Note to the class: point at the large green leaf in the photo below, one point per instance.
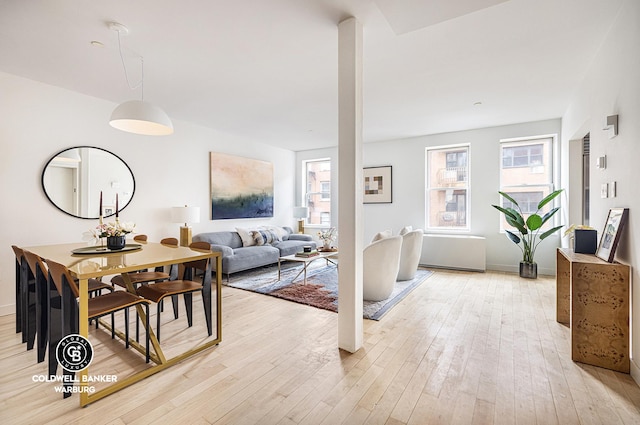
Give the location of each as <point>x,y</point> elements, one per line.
<point>514,238</point>
<point>534,221</point>
<point>549,198</point>
<point>518,225</point>
<point>509,198</point>
<point>550,232</point>
<point>508,212</point>
<point>550,214</point>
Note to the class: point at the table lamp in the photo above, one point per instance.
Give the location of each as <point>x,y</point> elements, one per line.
<point>185,215</point>
<point>301,213</point>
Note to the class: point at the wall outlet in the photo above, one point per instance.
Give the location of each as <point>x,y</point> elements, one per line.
<point>604,190</point>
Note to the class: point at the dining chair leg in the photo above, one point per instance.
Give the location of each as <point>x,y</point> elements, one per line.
<point>175,302</point>
<point>55,333</point>
<point>42,323</point>
<point>188,303</point>
<point>113,327</point>
<point>147,355</point>
<point>18,297</point>
<point>158,310</point>
<point>206,301</point>
<point>126,328</point>
<point>138,327</point>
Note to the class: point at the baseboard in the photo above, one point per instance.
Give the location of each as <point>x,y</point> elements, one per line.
<point>635,371</point>
<point>431,266</point>
<point>6,310</point>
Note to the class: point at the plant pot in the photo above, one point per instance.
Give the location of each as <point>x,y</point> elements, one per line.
<point>528,270</point>
<point>115,243</point>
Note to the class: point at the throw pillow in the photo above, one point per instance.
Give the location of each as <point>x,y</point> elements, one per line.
<point>382,235</point>
<point>281,232</point>
<point>264,237</point>
<point>405,230</point>
<point>246,236</point>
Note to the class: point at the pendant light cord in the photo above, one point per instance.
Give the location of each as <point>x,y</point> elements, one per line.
<point>126,75</point>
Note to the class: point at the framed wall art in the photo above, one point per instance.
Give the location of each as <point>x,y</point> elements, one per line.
<point>240,187</point>
<point>611,233</point>
<point>377,185</point>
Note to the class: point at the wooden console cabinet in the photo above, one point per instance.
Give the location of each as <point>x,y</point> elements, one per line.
<point>593,298</point>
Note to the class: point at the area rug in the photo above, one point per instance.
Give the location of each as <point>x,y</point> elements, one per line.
<point>321,290</point>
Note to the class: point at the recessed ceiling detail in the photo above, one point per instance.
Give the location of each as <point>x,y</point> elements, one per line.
<point>409,15</point>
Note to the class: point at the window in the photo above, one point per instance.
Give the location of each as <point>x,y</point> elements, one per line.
<point>448,188</point>
<point>317,175</point>
<point>526,173</point>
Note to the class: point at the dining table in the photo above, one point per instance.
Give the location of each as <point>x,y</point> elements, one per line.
<point>86,262</point>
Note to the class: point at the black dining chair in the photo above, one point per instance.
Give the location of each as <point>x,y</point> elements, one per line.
<point>98,306</point>
<point>157,292</point>
<point>25,299</point>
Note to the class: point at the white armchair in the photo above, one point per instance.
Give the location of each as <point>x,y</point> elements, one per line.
<point>410,254</point>
<point>381,261</point>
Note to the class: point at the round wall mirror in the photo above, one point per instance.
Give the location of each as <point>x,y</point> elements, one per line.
<point>74,179</point>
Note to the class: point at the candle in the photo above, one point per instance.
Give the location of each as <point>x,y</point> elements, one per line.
<point>116,205</point>
<point>100,207</point>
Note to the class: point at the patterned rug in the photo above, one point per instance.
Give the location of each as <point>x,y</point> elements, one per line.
<point>321,290</point>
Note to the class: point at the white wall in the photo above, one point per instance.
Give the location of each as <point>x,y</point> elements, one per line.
<point>40,120</point>
<point>407,157</point>
<point>612,86</point>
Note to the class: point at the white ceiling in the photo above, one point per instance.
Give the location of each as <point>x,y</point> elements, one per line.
<point>267,69</point>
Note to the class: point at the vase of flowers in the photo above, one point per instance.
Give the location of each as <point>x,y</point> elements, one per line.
<point>115,233</point>
<point>115,243</point>
<point>327,236</point>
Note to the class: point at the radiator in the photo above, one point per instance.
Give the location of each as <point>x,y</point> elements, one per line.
<point>454,252</point>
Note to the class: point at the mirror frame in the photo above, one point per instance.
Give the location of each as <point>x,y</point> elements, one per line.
<point>44,189</point>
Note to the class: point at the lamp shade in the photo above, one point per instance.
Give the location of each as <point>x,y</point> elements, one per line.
<point>137,116</point>
<point>300,212</point>
<point>185,215</point>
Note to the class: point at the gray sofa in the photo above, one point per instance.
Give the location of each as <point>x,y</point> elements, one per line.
<point>237,257</point>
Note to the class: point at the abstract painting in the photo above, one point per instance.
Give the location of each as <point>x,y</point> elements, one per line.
<point>377,185</point>
<point>240,187</point>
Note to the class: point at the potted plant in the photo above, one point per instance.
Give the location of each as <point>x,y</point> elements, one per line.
<point>528,231</point>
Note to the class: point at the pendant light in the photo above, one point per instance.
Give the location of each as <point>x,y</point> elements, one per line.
<point>138,116</point>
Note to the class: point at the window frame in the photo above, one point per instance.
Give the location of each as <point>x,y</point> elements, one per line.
<point>307,194</point>
<point>429,188</point>
<point>551,173</point>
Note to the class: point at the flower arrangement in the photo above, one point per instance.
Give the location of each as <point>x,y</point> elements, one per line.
<point>327,236</point>
<point>114,228</point>
<point>105,230</point>
<point>571,230</point>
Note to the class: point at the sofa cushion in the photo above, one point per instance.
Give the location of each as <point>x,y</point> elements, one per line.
<point>265,237</point>
<point>382,235</point>
<point>246,235</point>
<point>290,247</point>
<point>405,230</point>
<point>281,232</point>
<point>249,258</point>
<point>230,239</point>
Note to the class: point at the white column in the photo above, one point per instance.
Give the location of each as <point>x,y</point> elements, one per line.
<point>350,322</point>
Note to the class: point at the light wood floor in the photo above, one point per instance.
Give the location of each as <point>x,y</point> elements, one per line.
<point>463,348</point>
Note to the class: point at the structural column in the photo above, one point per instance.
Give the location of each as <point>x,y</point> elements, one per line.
<point>350,322</point>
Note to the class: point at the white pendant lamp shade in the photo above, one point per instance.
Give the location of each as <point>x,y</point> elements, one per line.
<point>137,116</point>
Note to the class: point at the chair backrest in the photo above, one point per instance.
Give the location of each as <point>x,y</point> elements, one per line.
<point>140,238</point>
<point>169,241</point>
<point>199,264</point>
<point>37,266</point>
<point>18,252</point>
<point>381,262</point>
<point>59,273</point>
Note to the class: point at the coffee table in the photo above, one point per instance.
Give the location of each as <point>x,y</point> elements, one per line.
<point>306,261</point>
